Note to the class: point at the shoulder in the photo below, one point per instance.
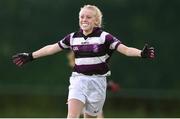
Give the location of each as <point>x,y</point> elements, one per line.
<point>76,34</point>
<point>107,36</point>
<point>68,36</point>
<point>105,33</point>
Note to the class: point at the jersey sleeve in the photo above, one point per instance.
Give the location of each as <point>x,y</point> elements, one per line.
<point>65,42</point>
<point>112,42</point>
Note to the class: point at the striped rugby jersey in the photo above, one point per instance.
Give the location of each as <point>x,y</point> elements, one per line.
<point>92,52</point>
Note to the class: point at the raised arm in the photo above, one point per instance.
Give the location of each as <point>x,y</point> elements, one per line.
<point>22,58</point>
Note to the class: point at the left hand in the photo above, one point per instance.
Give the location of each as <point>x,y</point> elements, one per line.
<point>147,52</point>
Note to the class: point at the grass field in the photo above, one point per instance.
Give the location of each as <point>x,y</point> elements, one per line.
<point>55,107</point>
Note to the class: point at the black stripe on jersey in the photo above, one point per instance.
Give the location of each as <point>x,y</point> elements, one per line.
<point>96,69</point>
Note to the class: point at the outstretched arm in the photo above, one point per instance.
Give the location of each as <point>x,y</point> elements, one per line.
<point>47,50</point>
<point>129,51</point>
<point>22,58</point>
<point>146,52</point>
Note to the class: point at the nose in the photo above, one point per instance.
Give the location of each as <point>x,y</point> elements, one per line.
<point>84,19</point>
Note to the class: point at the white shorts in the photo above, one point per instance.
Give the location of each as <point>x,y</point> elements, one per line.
<point>91,90</point>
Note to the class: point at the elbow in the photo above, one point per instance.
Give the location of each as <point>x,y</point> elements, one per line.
<point>127,53</point>
<point>49,50</point>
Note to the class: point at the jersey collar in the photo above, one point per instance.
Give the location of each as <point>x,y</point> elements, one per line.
<point>95,32</point>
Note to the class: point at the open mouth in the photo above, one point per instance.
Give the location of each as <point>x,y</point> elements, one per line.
<point>84,24</point>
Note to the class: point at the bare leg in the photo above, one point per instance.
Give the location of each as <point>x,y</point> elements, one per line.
<point>100,115</point>
<point>75,108</point>
<point>89,116</point>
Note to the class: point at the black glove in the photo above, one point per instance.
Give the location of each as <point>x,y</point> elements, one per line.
<point>22,58</point>
<point>147,52</point>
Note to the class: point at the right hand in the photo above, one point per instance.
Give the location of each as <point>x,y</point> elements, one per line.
<point>22,58</point>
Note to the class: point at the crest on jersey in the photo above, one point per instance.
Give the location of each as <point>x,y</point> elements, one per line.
<point>95,48</point>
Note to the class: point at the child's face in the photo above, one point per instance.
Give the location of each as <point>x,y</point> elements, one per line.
<point>87,19</point>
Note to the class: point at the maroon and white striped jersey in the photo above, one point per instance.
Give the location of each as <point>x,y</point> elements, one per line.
<point>92,52</point>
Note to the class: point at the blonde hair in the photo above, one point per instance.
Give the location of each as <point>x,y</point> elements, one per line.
<point>98,13</point>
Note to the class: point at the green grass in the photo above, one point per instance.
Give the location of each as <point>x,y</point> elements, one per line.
<point>45,106</point>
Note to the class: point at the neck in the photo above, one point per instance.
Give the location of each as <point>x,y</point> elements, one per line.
<point>87,32</point>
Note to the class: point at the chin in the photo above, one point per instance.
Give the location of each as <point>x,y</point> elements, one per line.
<point>85,29</point>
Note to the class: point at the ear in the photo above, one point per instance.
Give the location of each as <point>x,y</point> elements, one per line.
<point>97,22</point>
